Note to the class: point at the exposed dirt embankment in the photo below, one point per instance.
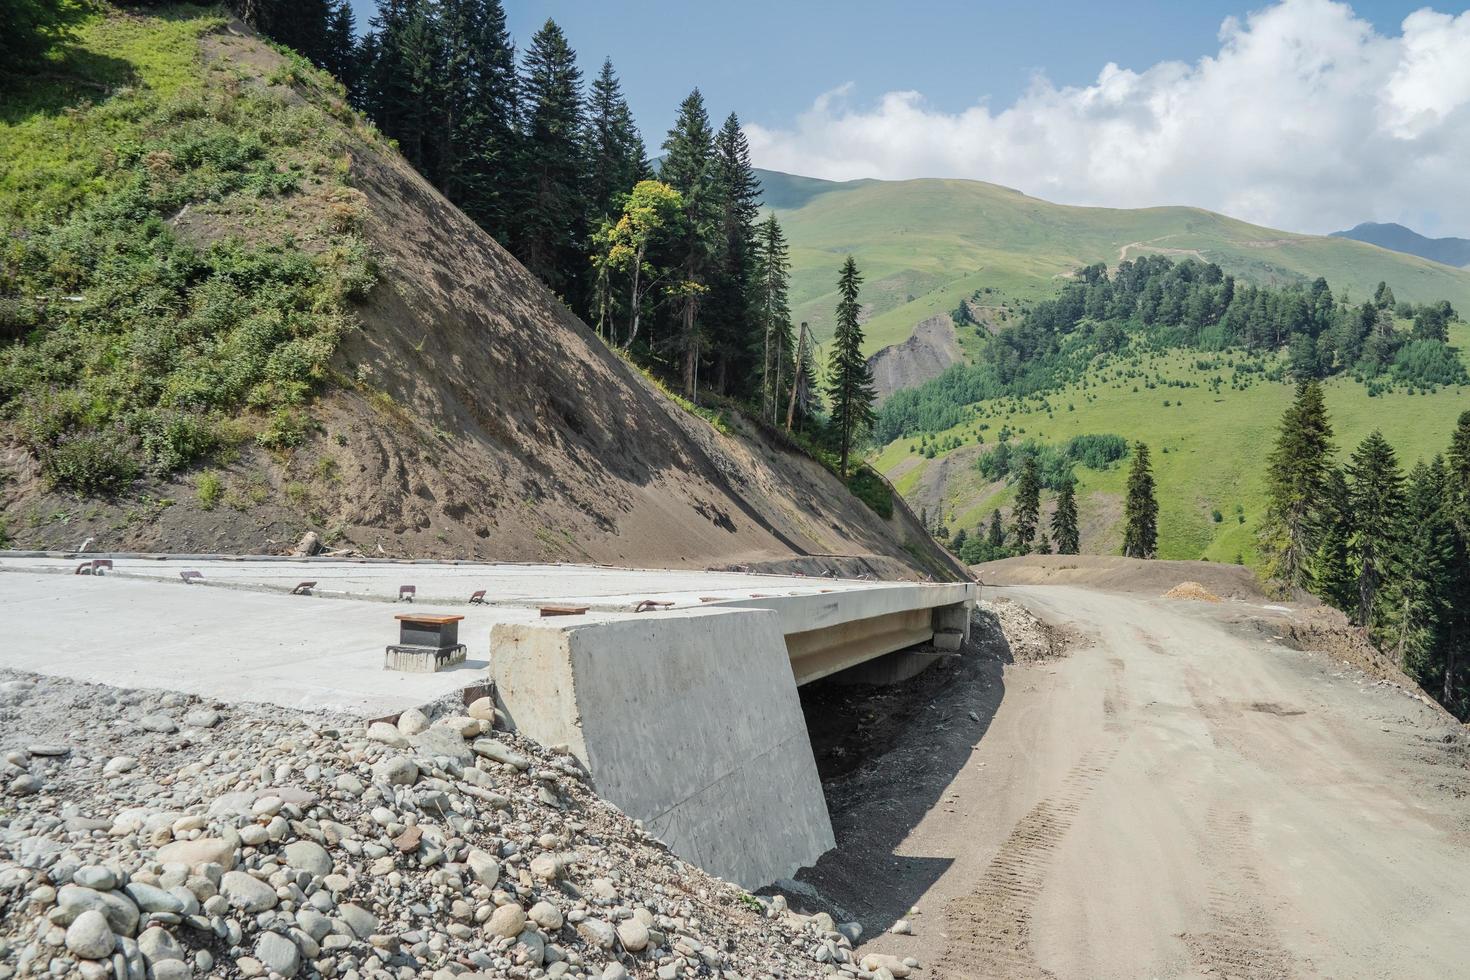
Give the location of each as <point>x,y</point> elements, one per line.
<point>472,416</point>
<point>932,347</point>
<point>1117,574</point>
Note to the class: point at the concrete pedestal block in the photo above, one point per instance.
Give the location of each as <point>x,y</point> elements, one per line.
<point>422,660</point>
<point>686,719</point>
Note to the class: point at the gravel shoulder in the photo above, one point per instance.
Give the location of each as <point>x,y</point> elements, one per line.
<point>1182,794</point>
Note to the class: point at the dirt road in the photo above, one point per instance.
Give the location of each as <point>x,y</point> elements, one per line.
<point>1176,797</point>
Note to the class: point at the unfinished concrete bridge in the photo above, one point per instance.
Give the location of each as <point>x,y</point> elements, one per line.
<point>675,689</point>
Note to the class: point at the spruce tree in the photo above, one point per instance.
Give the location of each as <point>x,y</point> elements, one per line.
<point>849,379</point>
<point>550,216</point>
<point>342,55</point>
<point>1333,577</point>
<point>1375,489</point>
<point>1455,687</point>
<point>688,167</point>
<point>1064,519</point>
<point>1420,592</point>
<point>1043,543</point>
<point>1295,480</point>
<point>403,85</point>
<point>773,316</point>
<point>731,296</point>
<point>1140,510</point>
<point>1026,514</point>
<point>479,137</point>
<point>995,537</point>
<point>616,160</point>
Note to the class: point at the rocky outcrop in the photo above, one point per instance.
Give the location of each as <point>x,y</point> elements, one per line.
<point>933,346</point>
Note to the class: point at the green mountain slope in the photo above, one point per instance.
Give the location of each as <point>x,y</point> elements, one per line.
<point>924,245</point>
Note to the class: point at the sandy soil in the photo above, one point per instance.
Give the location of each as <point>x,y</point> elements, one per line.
<point>1181,795</point>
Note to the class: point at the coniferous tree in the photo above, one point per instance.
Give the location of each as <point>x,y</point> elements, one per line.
<point>342,56</point>
<point>1420,591</point>
<point>1064,519</point>
<point>773,315</point>
<point>731,295</point>
<point>550,219</point>
<point>1043,543</point>
<point>616,159</point>
<point>1333,576</point>
<point>1026,514</point>
<point>688,167</point>
<point>1376,497</point>
<point>1140,510</point>
<point>403,84</point>
<point>479,135</point>
<point>849,379</point>
<point>1455,685</point>
<point>1296,478</point>
<point>996,536</point>
<point>805,403</point>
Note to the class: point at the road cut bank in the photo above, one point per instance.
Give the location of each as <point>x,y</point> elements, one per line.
<point>685,714</point>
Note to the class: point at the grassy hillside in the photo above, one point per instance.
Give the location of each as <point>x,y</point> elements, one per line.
<point>231,312</point>
<point>1208,447</point>
<point>924,245</point>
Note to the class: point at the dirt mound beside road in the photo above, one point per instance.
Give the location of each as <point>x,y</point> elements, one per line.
<point>1116,574</point>
<point>1191,590</point>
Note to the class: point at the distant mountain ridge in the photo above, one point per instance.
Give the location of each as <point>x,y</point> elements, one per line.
<point>1397,238</point>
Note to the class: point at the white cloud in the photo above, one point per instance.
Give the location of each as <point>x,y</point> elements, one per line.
<point>1306,118</point>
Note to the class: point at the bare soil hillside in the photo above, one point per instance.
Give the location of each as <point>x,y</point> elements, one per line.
<point>473,416</point>
<point>932,347</point>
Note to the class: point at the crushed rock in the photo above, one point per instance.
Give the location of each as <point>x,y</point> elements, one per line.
<point>1192,590</point>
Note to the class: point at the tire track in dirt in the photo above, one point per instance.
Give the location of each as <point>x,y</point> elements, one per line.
<point>989,929</point>
<point>1241,942</point>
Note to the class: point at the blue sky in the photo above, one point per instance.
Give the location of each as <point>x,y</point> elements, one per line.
<point>1308,115</point>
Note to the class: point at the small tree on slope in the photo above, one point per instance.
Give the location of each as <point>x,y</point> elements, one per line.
<point>1141,511</point>
<point>1027,513</point>
<point>849,380</point>
<point>1296,480</point>
<point>1064,519</point>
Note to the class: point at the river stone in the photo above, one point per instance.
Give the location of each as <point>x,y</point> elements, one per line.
<point>396,771</point>
<point>484,867</point>
<point>874,962</point>
<point>278,954</point>
<point>362,922</point>
<point>89,936</point>
<point>96,877</point>
<point>413,721</point>
<point>534,944</point>
<point>246,893</point>
<point>73,900</point>
<point>203,850</point>
<point>597,932</point>
<point>202,718</point>
<point>547,916</point>
<point>381,731</point>
<point>150,898</point>
<point>507,921</point>
<point>158,723</point>
<point>158,944</point>
<point>481,709</point>
<point>306,855</point>
<point>498,751</point>
<point>170,970</point>
<point>634,935</point>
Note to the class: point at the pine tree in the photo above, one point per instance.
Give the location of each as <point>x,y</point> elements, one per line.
<point>1333,576</point>
<point>1296,478</point>
<point>1376,497</point>
<point>731,294</point>
<point>550,217</point>
<point>402,87</point>
<point>1141,510</point>
<point>688,167</point>
<point>1420,592</point>
<point>616,160</point>
<point>849,379</point>
<point>773,315</point>
<point>1026,514</point>
<point>996,536</point>
<point>479,138</point>
<point>1064,519</point>
<point>1455,686</point>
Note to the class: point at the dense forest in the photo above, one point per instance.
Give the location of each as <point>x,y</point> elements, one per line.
<point>1390,549</point>
<point>1157,302</point>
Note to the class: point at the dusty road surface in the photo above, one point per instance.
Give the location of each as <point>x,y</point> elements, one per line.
<point>1177,796</point>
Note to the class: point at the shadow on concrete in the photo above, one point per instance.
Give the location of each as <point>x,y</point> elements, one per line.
<point>886,756</point>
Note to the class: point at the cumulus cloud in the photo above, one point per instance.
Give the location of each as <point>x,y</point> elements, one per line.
<point>1306,118</point>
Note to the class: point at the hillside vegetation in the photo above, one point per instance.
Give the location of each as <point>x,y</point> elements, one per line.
<point>232,312</point>
<point>929,244</point>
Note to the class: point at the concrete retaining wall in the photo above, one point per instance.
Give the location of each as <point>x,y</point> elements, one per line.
<point>687,720</point>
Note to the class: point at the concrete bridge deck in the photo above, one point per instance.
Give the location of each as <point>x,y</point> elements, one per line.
<point>686,715</point>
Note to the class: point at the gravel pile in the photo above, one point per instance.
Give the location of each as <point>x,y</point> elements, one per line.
<point>148,836</point>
